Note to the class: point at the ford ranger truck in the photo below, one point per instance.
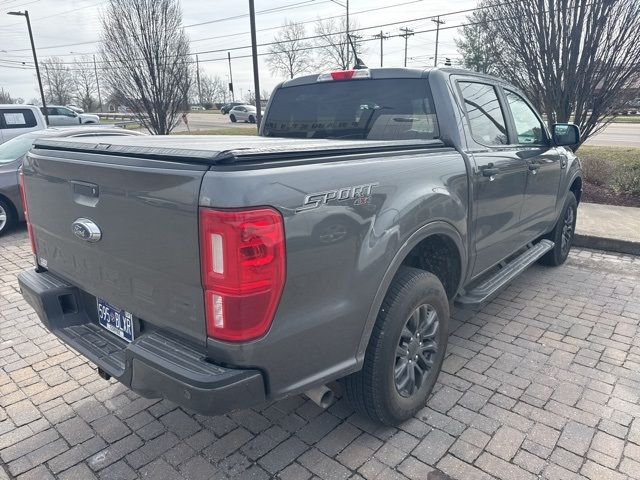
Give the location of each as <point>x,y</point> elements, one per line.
<point>223,272</point>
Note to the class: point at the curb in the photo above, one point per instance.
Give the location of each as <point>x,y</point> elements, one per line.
<point>607,244</point>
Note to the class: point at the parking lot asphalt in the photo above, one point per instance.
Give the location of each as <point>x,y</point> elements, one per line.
<point>615,134</point>
<point>543,382</point>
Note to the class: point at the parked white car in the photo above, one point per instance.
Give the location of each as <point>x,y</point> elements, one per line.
<point>75,109</point>
<point>243,113</point>
<point>60,116</point>
<point>18,119</point>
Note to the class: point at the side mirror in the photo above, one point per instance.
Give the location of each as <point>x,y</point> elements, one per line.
<point>565,134</point>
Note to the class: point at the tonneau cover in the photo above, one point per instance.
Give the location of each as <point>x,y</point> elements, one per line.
<point>215,149</point>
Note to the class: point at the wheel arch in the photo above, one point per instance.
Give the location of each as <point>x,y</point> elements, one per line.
<point>576,187</point>
<point>437,233</point>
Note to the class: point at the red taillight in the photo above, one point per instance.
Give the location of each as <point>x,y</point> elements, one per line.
<point>342,75</point>
<point>243,270</point>
<point>32,239</point>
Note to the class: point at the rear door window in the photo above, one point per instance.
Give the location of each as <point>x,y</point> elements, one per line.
<point>18,118</point>
<point>382,109</point>
<point>486,118</point>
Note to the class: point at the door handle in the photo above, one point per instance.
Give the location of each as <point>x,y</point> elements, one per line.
<point>488,171</point>
<point>534,167</point>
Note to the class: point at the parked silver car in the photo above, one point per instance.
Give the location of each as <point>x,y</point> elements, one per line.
<point>243,113</point>
<point>65,116</point>
<point>11,154</point>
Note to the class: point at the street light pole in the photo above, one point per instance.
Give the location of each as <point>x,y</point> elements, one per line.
<point>25,14</point>
<point>345,5</point>
<point>233,95</point>
<point>95,70</point>
<point>198,79</point>
<point>254,53</point>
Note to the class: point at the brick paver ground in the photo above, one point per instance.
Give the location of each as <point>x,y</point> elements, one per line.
<point>542,383</point>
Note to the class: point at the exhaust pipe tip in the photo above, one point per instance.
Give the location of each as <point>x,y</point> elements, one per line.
<point>322,396</point>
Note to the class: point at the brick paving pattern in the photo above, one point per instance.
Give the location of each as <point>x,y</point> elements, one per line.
<point>544,382</point>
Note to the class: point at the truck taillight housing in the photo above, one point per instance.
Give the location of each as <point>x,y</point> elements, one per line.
<point>242,257</point>
<point>26,211</point>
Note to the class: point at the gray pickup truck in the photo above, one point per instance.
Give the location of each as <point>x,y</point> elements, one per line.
<point>224,272</point>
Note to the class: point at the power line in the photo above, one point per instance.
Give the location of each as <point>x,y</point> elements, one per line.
<point>404,34</point>
<point>240,33</point>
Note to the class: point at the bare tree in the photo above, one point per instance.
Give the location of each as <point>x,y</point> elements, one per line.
<point>147,54</point>
<point>575,58</point>
<point>334,50</point>
<point>5,97</point>
<point>212,88</point>
<point>59,85</point>
<point>476,44</point>
<point>249,98</point>
<point>85,83</point>
<point>290,54</point>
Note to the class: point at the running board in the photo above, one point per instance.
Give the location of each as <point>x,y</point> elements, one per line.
<point>486,290</point>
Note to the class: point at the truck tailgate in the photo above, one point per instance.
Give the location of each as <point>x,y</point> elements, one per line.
<point>147,259</point>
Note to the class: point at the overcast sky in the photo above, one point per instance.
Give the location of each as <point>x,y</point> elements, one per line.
<point>67,27</point>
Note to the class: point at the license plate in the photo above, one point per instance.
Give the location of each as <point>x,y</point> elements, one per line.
<point>115,320</point>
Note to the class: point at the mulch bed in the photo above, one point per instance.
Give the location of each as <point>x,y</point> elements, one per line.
<point>597,194</point>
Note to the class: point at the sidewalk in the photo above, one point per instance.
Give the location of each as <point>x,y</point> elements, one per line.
<point>607,227</point>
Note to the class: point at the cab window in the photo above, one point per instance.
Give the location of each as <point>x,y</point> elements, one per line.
<point>529,129</point>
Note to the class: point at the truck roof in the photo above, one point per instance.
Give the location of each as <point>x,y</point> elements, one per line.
<point>396,72</point>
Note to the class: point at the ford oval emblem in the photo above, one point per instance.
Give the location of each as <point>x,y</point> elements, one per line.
<point>86,230</point>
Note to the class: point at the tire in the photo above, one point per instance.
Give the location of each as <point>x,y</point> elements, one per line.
<point>252,119</point>
<point>382,389</point>
<point>232,118</point>
<point>562,234</point>
<point>7,216</point>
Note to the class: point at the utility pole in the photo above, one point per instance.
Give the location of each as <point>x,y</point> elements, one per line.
<point>406,33</point>
<point>198,80</point>
<point>95,70</point>
<point>382,36</point>
<point>438,22</point>
<point>254,54</point>
<point>233,96</point>
<point>25,14</point>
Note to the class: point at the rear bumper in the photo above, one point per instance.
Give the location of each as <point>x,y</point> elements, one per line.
<point>153,365</point>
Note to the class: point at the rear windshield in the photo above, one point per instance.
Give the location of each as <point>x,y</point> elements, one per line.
<point>385,109</point>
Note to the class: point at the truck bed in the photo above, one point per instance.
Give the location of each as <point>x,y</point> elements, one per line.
<point>224,149</point>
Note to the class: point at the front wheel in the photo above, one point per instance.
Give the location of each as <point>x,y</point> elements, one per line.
<point>252,119</point>
<point>562,234</point>
<point>232,118</point>
<point>406,349</point>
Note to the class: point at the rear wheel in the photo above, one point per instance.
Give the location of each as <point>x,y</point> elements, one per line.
<point>232,117</point>
<point>252,119</point>
<point>406,349</point>
<point>562,234</point>
<point>7,216</point>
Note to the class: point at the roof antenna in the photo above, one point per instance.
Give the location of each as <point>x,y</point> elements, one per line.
<point>359,65</point>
